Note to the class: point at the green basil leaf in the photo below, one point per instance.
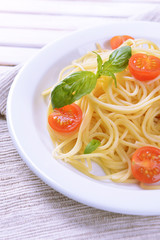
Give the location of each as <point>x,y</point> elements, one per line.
<point>73,88</point>
<point>92,146</point>
<point>99,65</point>
<point>118,60</point>
<point>111,74</point>
<point>120,56</point>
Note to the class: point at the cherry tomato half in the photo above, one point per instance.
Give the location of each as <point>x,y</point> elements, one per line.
<point>146,164</point>
<point>66,119</point>
<point>144,67</point>
<point>116,41</point>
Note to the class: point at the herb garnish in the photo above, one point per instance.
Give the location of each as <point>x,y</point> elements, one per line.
<point>82,83</point>
<point>92,146</point>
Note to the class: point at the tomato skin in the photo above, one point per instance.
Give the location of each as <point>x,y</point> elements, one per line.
<point>126,37</point>
<point>66,119</point>
<point>116,41</point>
<point>145,164</point>
<point>144,67</point>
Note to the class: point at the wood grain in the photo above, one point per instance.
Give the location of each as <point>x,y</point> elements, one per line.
<point>26,26</point>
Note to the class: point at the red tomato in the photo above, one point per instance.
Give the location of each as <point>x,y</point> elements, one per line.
<point>116,41</point>
<point>146,164</point>
<point>66,119</point>
<point>144,67</point>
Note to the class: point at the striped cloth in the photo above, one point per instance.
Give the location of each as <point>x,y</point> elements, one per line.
<point>30,209</point>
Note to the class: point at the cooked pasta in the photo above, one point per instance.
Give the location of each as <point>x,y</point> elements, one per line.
<point>123,118</point>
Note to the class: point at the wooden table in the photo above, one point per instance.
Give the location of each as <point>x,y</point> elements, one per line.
<point>28,25</point>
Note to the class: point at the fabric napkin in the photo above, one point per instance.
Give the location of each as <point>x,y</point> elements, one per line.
<point>30,209</point>
<point>6,79</point>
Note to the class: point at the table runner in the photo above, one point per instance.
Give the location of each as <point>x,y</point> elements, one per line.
<point>30,209</point>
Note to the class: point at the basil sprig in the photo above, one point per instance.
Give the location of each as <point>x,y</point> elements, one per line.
<point>92,146</point>
<point>73,88</point>
<point>82,83</point>
<point>117,62</point>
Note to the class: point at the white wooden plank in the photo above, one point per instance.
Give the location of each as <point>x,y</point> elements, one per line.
<point>26,26</point>
<point>13,56</point>
<point>49,22</point>
<point>82,8</point>
<point>28,37</point>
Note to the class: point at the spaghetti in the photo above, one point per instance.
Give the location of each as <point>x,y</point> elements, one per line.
<point>122,118</point>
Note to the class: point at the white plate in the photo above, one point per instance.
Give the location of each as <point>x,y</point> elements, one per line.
<point>26,116</point>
